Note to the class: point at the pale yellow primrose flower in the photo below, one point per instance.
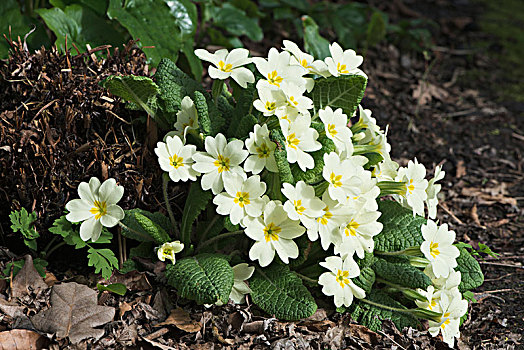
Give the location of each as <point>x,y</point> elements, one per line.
<point>176,159</point>
<point>262,151</point>
<point>452,310</point>
<point>305,60</point>
<point>415,193</point>
<point>337,282</point>
<point>438,248</point>
<point>168,251</point>
<point>343,62</point>
<point>228,64</point>
<point>96,207</point>
<point>276,69</point>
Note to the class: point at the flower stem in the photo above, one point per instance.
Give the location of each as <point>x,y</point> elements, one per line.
<point>165,183</point>
<point>307,279</point>
<point>216,89</point>
<point>391,187</point>
<point>386,307</point>
<point>48,254</point>
<point>411,251</point>
<point>50,244</point>
<point>219,237</point>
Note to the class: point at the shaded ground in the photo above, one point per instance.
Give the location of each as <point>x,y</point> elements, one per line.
<point>441,110</point>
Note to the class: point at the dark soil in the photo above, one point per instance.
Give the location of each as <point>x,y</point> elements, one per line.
<point>441,109</point>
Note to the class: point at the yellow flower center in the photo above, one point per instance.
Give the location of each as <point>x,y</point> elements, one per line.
<point>351,228</point>
<point>298,207</point>
<point>292,141</point>
<point>225,67</point>
<point>292,101</point>
<point>432,304</point>
<point>176,161</point>
<point>332,130</point>
<point>304,64</point>
<point>411,187</point>
<point>263,151</point>
<point>446,321</point>
<point>433,249</point>
<point>242,198</point>
<point>271,232</point>
<point>343,278</point>
<point>341,68</point>
<point>274,78</point>
<point>335,179</point>
<point>324,219</point>
<point>270,106</point>
<point>222,163</point>
<point>99,209</point>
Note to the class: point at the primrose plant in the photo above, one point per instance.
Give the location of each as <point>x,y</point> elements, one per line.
<point>292,189</point>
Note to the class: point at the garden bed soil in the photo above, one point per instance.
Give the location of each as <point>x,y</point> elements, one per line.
<point>434,111</point>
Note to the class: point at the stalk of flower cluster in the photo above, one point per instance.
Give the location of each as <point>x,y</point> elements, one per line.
<point>410,251</point>
<point>216,89</point>
<point>165,182</point>
<point>217,238</point>
<point>408,292</point>
<point>391,187</point>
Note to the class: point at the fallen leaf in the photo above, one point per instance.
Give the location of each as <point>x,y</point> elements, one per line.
<point>125,307</point>
<point>74,312</point>
<point>364,333</point>
<point>50,279</point>
<point>181,320</point>
<point>27,280</point>
<point>21,339</point>
<point>133,280</point>
<point>487,199</point>
<point>158,345</point>
<point>498,223</point>
<point>461,169</point>
<point>475,216</point>
<point>11,309</point>
<point>424,92</point>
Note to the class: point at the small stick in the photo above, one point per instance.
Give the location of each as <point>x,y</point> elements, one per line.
<point>450,213</point>
<point>500,264</point>
<point>157,334</point>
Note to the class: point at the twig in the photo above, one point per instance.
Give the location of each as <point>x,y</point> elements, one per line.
<point>157,334</point>
<point>501,264</point>
<point>391,339</point>
<point>450,213</point>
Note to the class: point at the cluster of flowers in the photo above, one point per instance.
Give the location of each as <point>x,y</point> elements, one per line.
<point>345,215</point>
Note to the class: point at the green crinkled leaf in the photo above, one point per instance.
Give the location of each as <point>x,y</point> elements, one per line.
<point>314,176</point>
<point>366,279</point>
<point>141,91</point>
<point>236,21</point>
<point>138,232</point>
<point>314,43</point>
<point>153,229</point>
<point>373,159</point>
<point>174,86</point>
<point>280,292</point>
<point>103,260</point>
<point>472,276</point>
<point>345,91</point>
<point>244,106</point>
<point>196,202</point>
<point>246,126</point>
<point>81,25</point>
<point>209,117</point>
<point>372,316</point>
<point>304,247</point>
<point>284,170</point>
<point>401,230</point>
<point>143,250</point>
<point>205,278</point>
<point>401,273</point>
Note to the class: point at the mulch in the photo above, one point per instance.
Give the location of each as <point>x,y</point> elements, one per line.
<point>435,113</point>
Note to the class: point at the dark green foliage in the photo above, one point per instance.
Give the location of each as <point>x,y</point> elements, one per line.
<point>401,273</point>
<point>472,276</point>
<point>280,292</point>
<point>205,278</point>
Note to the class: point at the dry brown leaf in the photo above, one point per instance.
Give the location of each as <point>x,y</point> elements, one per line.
<point>181,319</point>
<point>21,339</point>
<point>50,279</point>
<point>364,333</point>
<point>498,223</point>
<point>27,278</point>
<point>487,199</point>
<point>461,169</point>
<point>158,345</point>
<point>134,280</point>
<point>11,309</point>
<point>475,216</point>
<point>74,312</point>
<point>424,92</point>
